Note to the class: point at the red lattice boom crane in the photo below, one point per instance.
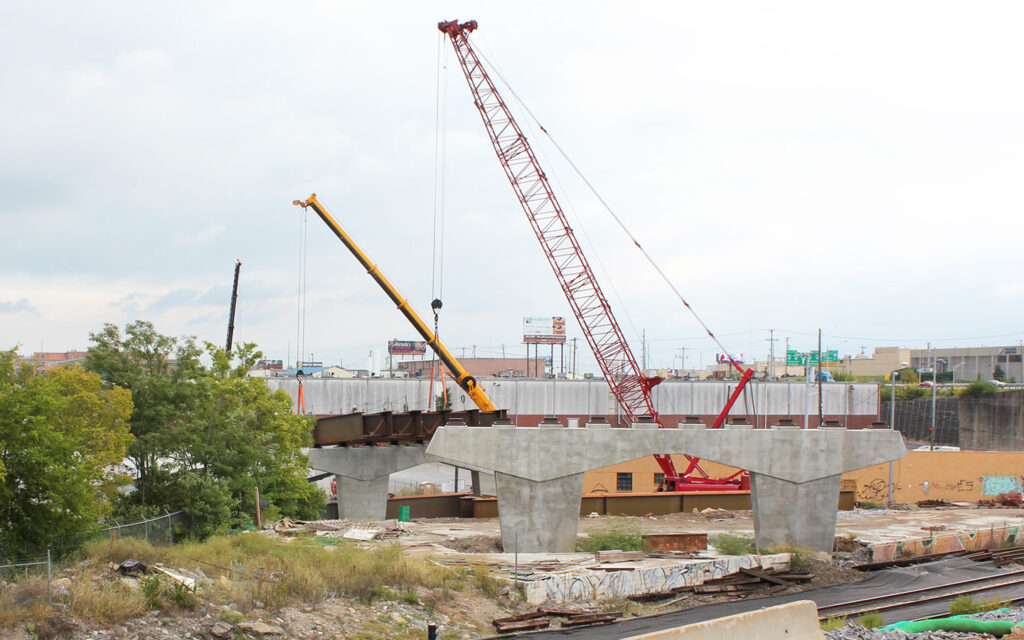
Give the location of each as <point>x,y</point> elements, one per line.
<point>632,389</point>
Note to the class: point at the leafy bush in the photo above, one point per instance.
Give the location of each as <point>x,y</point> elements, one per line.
<point>621,536</point>
<point>733,545</point>
<point>151,589</point>
<point>183,597</point>
<point>963,605</point>
<point>868,504</point>
<point>871,620</point>
<point>979,388</point>
<point>833,623</point>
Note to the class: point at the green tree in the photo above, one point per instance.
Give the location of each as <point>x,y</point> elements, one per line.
<point>60,434</point>
<point>161,373</point>
<point>206,437</point>
<point>999,374</point>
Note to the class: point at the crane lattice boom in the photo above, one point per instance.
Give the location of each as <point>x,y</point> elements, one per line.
<point>630,387</point>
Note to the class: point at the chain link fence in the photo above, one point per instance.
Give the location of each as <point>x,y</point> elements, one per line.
<point>159,530</point>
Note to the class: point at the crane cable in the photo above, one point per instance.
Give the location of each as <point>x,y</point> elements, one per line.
<point>440,169</point>
<point>615,217</point>
<point>300,313</point>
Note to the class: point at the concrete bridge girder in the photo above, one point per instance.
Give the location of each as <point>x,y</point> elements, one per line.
<point>796,455</point>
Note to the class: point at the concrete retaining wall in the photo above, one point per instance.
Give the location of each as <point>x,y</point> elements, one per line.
<point>648,577</point>
<point>992,422</point>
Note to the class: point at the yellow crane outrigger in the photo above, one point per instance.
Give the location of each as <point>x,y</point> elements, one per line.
<point>462,377</point>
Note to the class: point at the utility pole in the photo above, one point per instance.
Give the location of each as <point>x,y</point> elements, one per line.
<point>821,412</point>
<point>787,355</point>
<point>643,351</point>
<point>935,386</point>
<point>682,360</point>
<point>771,353</point>
<point>574,357</point>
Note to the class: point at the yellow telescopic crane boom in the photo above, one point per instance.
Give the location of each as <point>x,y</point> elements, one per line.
<point>467,382</point>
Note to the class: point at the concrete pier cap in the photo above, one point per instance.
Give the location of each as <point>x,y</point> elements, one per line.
<point>795,473</point>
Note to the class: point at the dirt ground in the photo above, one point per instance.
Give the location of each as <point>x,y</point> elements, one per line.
<point>483,535</point>
<point>469,615</point>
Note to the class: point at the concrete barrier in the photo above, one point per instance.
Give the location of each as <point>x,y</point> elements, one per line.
<point>791,621</point>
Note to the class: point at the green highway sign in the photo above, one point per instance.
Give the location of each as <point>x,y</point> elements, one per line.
<point>798,359</point>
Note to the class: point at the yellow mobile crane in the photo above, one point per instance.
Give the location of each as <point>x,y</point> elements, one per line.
<point>462,377</point>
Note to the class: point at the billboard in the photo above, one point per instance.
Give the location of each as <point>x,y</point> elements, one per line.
<point>277,365</point>
<point>543,330</point>
<point>309,364</point>
<point>738,357</point>
<point>407,348</point>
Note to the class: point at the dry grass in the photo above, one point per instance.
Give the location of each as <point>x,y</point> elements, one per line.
<point>248,572</point>
<point>253,570</point>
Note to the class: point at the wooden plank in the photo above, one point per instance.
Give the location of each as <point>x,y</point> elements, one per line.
<point>754,573</point>
<point>522,625</point>
<point>594,618</point>
<point>618,556</point>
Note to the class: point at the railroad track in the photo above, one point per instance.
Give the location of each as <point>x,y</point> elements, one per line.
<point>924,595</point>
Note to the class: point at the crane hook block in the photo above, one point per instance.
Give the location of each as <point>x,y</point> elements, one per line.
<point>435,304</point>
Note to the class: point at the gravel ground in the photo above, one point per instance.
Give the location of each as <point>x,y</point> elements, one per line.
<point>853,631</point>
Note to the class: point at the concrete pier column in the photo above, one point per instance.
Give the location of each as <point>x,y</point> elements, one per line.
<point>362,499</point>
<point>362,473</point>
<point>800,514</point>
<point>539,515</point>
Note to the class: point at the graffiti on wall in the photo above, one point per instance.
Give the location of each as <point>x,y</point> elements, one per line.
<point>587,584</point>
<point>946,543</point>
<point>877,489</point>
<point>998,485</point>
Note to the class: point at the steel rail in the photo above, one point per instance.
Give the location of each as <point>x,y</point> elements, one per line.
<point>851,607</point>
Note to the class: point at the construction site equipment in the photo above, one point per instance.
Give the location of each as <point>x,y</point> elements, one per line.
<point>234,299</point>
<point>462,377</point>
<point>631,388</point>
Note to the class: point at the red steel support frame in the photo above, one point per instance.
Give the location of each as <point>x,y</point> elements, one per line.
<point>631,388</point>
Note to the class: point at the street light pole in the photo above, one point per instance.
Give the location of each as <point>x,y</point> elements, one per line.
<point>892,423</point>
<point>935,387</point>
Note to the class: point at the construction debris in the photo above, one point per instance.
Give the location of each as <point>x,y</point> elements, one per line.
<point>185,581</point>
<point>541,618</point>
<point>361,531</point>
<point>618,556</point>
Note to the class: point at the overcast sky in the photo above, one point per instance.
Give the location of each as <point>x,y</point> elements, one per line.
<point>790,166</point>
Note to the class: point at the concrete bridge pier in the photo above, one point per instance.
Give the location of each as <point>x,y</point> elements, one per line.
<point>796,514</point>
<point>362,473</point>
<point>539,516</point>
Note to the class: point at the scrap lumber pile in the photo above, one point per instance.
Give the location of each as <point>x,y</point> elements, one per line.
<point>541,618</point>
<point>999,557</point>
<point>739,583</point>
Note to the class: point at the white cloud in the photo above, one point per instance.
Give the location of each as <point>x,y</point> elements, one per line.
<point>788,166</point>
